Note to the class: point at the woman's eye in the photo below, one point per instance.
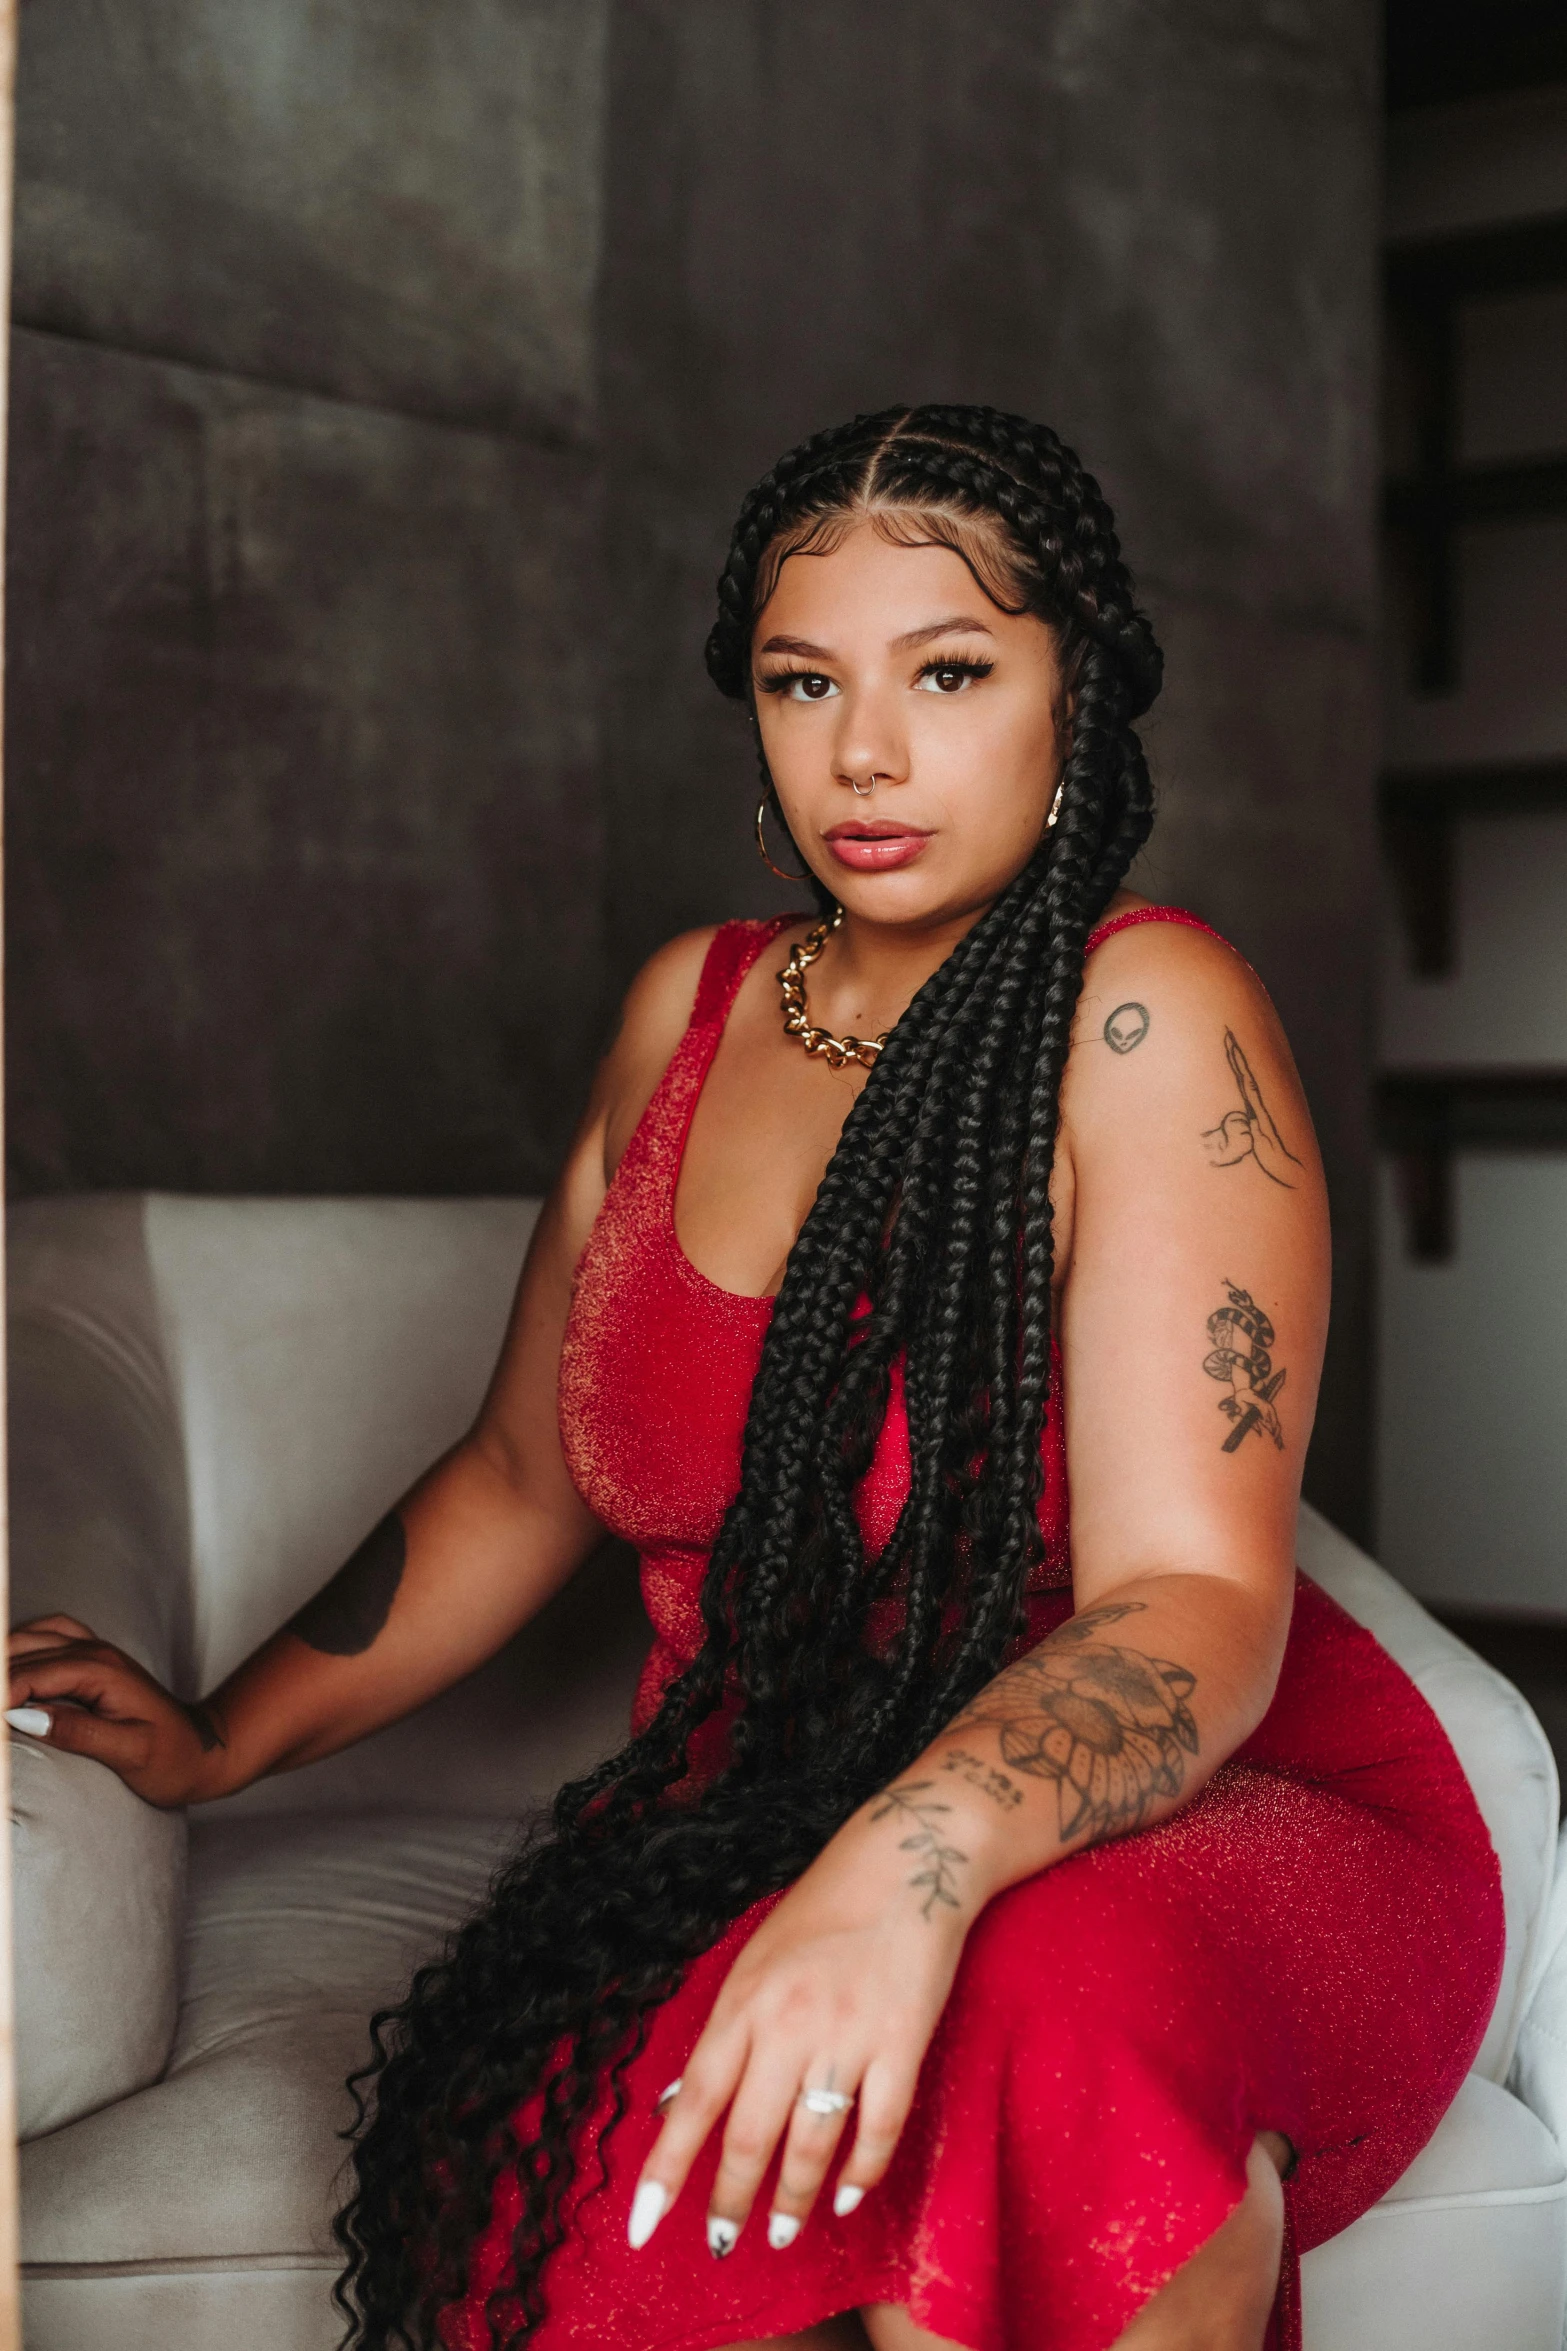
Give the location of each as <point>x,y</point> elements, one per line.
<point>801,685</point>
<point>950,677</point>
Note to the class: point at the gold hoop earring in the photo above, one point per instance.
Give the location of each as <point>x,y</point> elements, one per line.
<point>761,848</point>
<point>1055,807</point>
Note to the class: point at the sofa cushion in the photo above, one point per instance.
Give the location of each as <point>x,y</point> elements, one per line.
<point>296,1929</point>
<point>1468,2249</point>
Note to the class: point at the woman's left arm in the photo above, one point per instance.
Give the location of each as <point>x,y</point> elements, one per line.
<point>1192,1311</point>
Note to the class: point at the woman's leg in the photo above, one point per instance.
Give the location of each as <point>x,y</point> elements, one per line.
<point>1218,2301</point>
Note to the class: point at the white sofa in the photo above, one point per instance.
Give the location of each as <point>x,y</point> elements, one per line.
<point>211,1400</point>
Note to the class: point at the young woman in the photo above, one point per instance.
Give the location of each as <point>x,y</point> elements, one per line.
<point>989,1909</point>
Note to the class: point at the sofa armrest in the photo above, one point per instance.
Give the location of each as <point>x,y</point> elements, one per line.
<point>98,1531</point>
<point>1539,2070</point>
<point>98,1886</point>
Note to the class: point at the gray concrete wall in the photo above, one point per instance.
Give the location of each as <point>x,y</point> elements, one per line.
<point>305,859</point>
<point>619,256</point>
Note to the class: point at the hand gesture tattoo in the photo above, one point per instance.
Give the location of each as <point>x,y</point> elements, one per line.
<point>1110,1726</point>
<point>1242,1335</point>
<point>1249,1133</point>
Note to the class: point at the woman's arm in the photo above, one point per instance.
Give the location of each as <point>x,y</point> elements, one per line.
<point>467,1557</point>
<point>1193,1309</point>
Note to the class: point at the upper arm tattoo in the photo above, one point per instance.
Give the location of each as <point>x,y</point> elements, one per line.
<point>346,1615</point>
<point>1110,1726</point>
<point>1126,1027</point>
<point>1242,1336</point>
<point>1249,1132</point>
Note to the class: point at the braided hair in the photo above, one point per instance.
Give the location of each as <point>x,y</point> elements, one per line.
<point>504,2067</point>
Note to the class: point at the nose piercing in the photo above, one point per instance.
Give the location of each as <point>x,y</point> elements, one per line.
<point>863,791</point>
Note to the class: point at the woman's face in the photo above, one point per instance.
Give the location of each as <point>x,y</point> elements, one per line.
<point>888,661</point>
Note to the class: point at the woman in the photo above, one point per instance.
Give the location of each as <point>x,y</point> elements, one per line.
<point>980,1921</point>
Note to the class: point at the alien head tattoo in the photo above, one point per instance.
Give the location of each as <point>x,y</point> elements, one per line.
<point>1242,1335</point>
<point>1126,1027</point>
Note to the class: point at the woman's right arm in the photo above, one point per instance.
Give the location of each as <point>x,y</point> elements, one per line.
<point>474,1550</point>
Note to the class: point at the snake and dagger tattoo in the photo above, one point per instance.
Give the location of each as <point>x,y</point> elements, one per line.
<point>1111,1727</point>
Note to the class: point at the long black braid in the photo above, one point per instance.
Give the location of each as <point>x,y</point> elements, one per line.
<point>936,1207</point>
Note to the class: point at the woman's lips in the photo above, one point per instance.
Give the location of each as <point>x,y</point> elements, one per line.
<point>875,848</point>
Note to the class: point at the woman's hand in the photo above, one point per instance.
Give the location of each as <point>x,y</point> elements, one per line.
<point>91,1699</point>
<point>838,1991</point>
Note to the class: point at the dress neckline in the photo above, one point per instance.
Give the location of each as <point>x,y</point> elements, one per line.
<point>707,1026</point>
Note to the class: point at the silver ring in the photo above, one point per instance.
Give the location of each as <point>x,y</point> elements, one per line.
<point>863,791</point>
<point>825,2102</point>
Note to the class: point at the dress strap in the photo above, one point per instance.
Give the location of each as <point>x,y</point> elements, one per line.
<point>735,947</point>
<point>1124,922</point>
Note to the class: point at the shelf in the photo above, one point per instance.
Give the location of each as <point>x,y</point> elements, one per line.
<point>1426,283</point>
<point>1419,808</point>
<point>1425,1116</point>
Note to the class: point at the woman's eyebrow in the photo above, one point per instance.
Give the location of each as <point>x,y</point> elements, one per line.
<point>954,622</point>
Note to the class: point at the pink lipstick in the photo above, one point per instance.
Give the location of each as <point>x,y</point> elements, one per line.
<point>867,847</point>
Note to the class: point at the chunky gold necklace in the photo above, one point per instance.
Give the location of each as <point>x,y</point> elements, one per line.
<point>796,1013</point>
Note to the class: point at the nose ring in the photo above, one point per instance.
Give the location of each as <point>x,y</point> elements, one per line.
<point>863,791</point>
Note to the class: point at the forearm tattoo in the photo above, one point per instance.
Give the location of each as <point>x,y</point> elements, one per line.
<point>1249,1132</point>
<point>1110,1726</point>
<point>939,1861</point>
<point>1242,1336</point>
<point>984,1777</point>
<point>346,1615</point>
<point>207,1723</point>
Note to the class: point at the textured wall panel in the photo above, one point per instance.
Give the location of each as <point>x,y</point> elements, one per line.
<point>397,203</point>
<point>304,850</point>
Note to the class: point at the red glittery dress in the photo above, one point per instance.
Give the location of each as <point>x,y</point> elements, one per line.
<point>1311,1946</point>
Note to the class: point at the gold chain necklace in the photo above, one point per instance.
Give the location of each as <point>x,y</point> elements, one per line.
<point>796,1014</point>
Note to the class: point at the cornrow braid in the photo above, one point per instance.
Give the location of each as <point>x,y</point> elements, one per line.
<point>930,1243</point>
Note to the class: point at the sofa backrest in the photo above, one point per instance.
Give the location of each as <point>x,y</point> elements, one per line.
<point>273,1374</point>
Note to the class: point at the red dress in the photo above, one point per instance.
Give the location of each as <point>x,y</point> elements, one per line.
<point>1312,1945</point>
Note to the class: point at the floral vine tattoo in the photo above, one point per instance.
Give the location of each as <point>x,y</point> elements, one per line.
<point>939,1874</point>
<point>347,1614</point>
<point>1250,1132</point>
<point>1242,1335</point>
<point>1109,1725</point>
<point>1126,1027</point>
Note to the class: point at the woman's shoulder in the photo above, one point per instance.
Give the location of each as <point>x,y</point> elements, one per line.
<point>1166,1001</point>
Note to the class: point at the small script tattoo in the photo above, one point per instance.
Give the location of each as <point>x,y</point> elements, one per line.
<point>205,1722</point>
<point>346,1615</point>
<point>1110,1726</point>
<point>1242,1336</point>
<point>1126,1027</point>
<point>938,1873</point>
<point>984,1777</point>
<point>1249,1132</point>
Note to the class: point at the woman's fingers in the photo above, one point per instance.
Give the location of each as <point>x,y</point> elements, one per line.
<point>121,1745</point>
<point>46,1632</point>
<point>808,2151</point>
<point>757,2121</point>
<point>706,2087</point>
<point>886,2094</point>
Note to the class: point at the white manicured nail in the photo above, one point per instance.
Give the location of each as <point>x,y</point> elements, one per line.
<point>722,2236</point>
<point>666,2097</point>
<point>648,2207</point>
<point>847,2199</point>
<point>31,1719</point>
<point>782,2229</point>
